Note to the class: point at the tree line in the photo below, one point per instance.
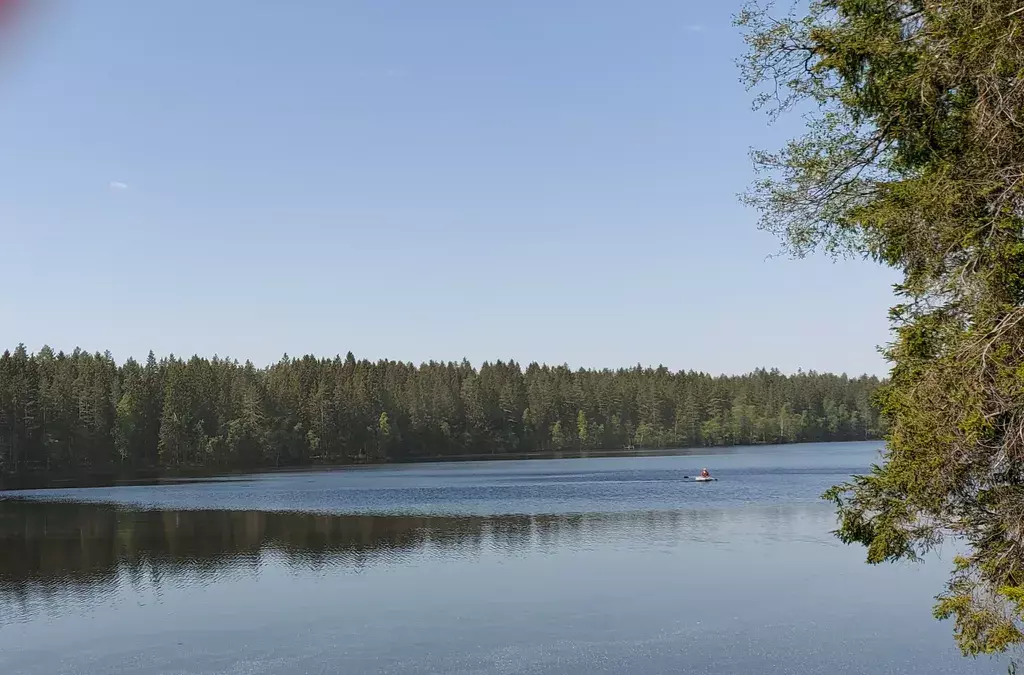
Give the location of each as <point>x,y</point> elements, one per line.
<point>71,415</point>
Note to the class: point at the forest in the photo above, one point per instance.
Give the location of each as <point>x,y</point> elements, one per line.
<point>82,415</point>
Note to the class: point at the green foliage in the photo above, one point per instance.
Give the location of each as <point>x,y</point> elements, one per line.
<point>68,415</point>
<point>559,440</point>
<point>913,157</point>
<point>582,429</point>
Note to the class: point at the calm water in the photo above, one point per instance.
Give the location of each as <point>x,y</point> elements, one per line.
<point>535,567</point>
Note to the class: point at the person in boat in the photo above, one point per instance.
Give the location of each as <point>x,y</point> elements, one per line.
<point>704,473</point>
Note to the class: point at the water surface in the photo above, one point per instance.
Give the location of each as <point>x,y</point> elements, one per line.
<point>610,565</point>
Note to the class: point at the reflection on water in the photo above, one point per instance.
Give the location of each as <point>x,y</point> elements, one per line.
<point>64,553</point>
<point>537,568</point>
<point>758,476</point>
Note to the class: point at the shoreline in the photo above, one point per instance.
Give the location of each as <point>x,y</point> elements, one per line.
<point>198,474</point>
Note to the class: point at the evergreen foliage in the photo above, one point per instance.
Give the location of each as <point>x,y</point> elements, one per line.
<point>914,156</point>
<point>80,414</point>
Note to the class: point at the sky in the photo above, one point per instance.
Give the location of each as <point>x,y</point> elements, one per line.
<point>531,180</point>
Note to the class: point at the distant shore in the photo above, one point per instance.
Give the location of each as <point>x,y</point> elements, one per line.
<point>40,481</point>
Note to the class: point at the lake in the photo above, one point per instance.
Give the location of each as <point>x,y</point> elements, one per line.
<point>577,566</point>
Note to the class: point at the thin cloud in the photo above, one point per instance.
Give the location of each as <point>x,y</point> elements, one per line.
<point>118,186</point>
<point>695,28</point>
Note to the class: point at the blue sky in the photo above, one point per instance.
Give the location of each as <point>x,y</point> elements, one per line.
<point>550,181</point>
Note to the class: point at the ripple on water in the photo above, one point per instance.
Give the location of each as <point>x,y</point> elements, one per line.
<point>569,567</point>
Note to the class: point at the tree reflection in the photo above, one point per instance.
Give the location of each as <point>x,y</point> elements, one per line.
<point>52,553</point>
